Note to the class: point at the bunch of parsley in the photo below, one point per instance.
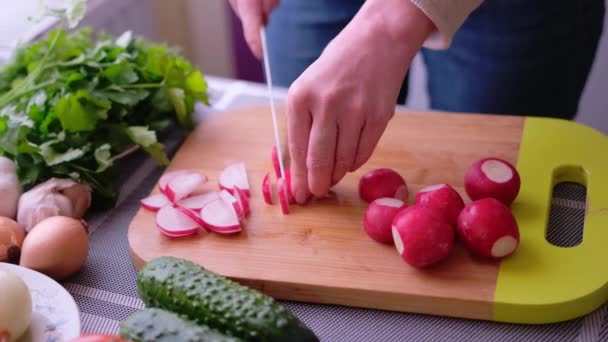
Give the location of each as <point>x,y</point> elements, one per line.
<point>73,103</point>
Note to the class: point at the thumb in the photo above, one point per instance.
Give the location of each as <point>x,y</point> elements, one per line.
<point>252,15</point>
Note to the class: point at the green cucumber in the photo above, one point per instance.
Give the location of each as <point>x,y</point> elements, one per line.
<point>156,325</point>
<point>186,288</point>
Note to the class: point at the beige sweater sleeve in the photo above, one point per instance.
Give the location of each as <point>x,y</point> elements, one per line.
<point>448,16</point>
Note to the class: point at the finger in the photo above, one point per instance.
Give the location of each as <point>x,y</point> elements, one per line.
<point>252,15</point>
<point>298,127</point>
<point>321,155</point>
<point>346,149</point>
<point>269,5</point>
<point>370,135</point>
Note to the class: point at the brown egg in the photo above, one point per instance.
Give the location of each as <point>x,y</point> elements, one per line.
<point>57,246</point>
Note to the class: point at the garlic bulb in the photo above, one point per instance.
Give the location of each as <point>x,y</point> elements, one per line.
<point>10,188</point>
<point>55,197</point>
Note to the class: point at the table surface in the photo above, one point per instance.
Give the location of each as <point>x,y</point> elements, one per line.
<point>106,293</point>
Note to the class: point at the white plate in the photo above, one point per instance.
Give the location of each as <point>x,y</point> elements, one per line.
<point>56,317</point>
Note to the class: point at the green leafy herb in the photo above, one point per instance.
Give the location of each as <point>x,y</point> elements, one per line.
<point>74,103</point>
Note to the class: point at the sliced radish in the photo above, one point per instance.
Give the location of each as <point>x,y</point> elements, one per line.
<point>231,199</point>
<point>181,186</point>
<point>379,217</point>
<point>197,202</point>
<point>488,228</point>
<point>281,193</point>
<point>242,200</point>
<point>383,182</point>
<point>220,217</point>
<point>194,216</point>
<point>267,189</point>
<point>167,177</point>
<point>292,200</point>
<point>275,162</point>
<point>234,175</point>
<point>492,177</point>
<point>154,202</point>
<point>422,236</point>
<point>172,222</point>
<point>444,199</point>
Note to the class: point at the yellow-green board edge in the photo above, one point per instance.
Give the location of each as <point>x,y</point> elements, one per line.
<point>542,283</point>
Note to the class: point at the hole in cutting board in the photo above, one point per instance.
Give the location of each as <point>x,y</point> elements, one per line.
<point>568,206</point>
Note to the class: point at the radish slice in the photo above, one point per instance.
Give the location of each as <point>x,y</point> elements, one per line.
<point>230,199</point>
<point>282,199</point>
<point>242,200</point>
<point>292,200</point>
<point>197,202</point>
<point>154,202</point>
<point>167,177</point>
<point>174,223</point>
<point>220,217</point>
<point>234,175</point>
<point>183,185</point>
<point>267,190</point>
<point>275,162</point>
<point>194,216</point>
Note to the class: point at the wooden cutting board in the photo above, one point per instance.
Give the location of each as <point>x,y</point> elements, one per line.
<point>319,253</point>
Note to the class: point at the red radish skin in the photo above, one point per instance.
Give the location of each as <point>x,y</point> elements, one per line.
<point>281,194</point>
<point>167,177</point>
<point>242,200</point>
<point>442,198</point>
<point>235,175</point>
<point>267,190</point>
<point>231,199</point>
<point>174,223</point>
<point>194,216</point>
<point>181,186</point>
<point>219,216</point>
<point>154,202</point>
<point>275,162</point>
<point>422,237</point>
<point>197,202</point>
<point>382,182</point>
<point>492,177</point>
<point>488,228</point>
<point>379,216</point>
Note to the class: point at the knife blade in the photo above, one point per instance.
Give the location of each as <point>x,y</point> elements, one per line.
<point>275,125</point>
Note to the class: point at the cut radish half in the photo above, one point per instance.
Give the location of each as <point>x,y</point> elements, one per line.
<point>242,200</point>
<point>154,202</point>
<point>193,216</point>
<point>167,177</point>
<point>234,175</point>
<point>219,216</point>
<point>197,202</point>
<point>282,199</point>
<point>174,223</point>
<point>181,186</point>
<point>267,190</point>
<point>231,199</point>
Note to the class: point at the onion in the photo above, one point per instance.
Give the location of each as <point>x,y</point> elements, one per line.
<point>16,309</point>
<point>11,239</point>
<point>58,246</point>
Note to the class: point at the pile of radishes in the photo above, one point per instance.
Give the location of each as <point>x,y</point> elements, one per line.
<point>181,211</point>
<point>425,233</point>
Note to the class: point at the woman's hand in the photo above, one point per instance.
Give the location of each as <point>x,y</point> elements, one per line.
<point>253,14</point>
<point>338,109</point>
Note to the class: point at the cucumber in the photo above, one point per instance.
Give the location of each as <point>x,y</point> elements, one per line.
<point>186,288</point>
<point>156,325</point>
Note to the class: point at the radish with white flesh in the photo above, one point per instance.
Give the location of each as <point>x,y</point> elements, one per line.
<point>442,198</point>
<point>154,202</point>
<point>379,216</point>
<point>197,202</point>
<point>193,216</point>
<point>167,177</point>
<point>234,175</point>
<point>181,186</point>
<point>219,216</point>
<point>267,189</point>
<point>174,223</point>
<point>422,236</point>
<point>492,177</point>
<point>488,228</point>
<point>275,162</point>
<point>281,193</point>
<point>242,200</point>
<point>231,199</point>
<point>383,182</point>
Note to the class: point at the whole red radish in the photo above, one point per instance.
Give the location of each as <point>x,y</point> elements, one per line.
<point>422,236</point>
<point>488,228</point>
<point>444,199</point>
<point>379,216</point>
<point>492,177</point>
<point>382,182</point>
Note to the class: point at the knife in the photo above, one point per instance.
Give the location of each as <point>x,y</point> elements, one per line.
<point>277,137</point>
